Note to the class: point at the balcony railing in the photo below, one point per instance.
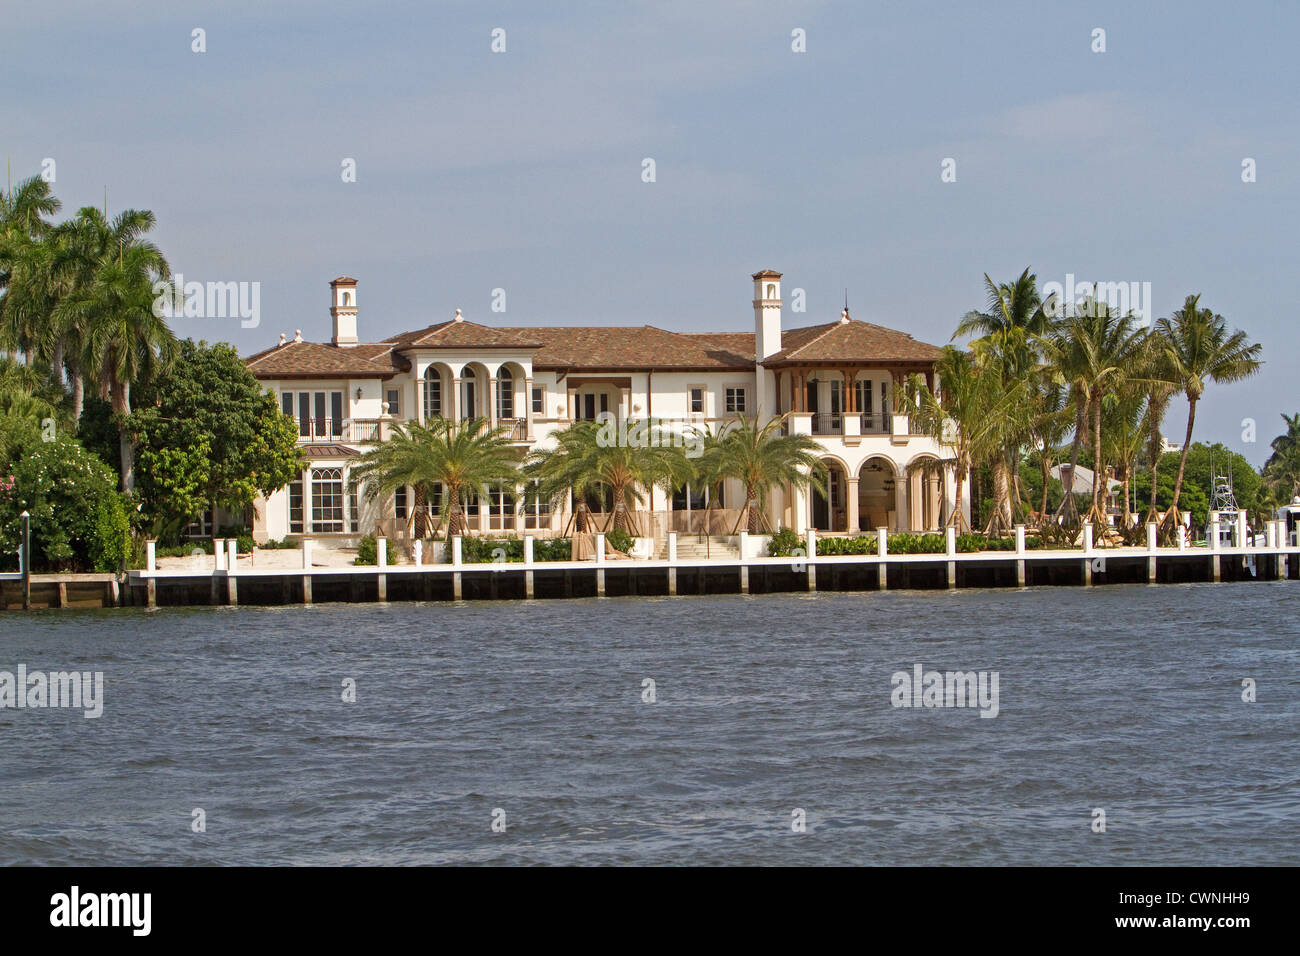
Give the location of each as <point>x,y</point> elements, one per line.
<point>518,428</point>
<point>359,430</point>
<point>827,423</point>
<point>876,423</point>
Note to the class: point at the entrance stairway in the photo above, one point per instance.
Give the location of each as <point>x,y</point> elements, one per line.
<point>691,547</point>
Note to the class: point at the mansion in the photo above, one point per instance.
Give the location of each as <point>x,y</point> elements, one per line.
<point>837,380</point>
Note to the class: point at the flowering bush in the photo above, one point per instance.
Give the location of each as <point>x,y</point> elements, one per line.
<point>78,519</point>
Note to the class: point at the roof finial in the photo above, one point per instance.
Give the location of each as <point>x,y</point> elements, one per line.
<point>459,317</point>
<point>297,335</point>
<point>281,338</point>
<point>844,316</point>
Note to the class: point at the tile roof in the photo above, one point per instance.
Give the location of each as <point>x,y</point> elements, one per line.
<point>315,360</point>
<point>329,450</point>
<point>851,341</point>
<point>579,348</point>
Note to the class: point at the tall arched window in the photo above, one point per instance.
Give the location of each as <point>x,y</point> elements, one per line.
<point>432,393</point>
<point>505,393</point>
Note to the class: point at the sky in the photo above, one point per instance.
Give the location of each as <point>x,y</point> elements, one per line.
<point>523,170</point>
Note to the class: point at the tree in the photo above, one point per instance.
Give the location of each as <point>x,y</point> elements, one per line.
<point>593,455</point>
<point>25,265</point>
<point>1201,460</point>
<point>78,520</point>
<point>209,434</point>
<point>126,340</point>
<point>762,457</point>
<point>1282,470</point>
<point>464,458</point>
<point>1093,349</point>
<point>968,412</point>
<point>1199,348</point>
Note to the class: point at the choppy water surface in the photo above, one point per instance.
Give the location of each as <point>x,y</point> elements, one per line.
<point>1123,698</point>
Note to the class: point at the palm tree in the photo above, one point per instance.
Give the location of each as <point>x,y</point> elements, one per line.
<point>1157,378</point>
<point>1094,350</point>
<point>762,457</point>
<point>112,299</point>
<point>1010,326</point>
<point>465,459</point>
<point>591,456</point>
<point>969,411</point>
<point>23,310</point>
<point>1050,414</point>
<point>1123,435</point>
<point>1199,347</point>
<point>1282,470</point>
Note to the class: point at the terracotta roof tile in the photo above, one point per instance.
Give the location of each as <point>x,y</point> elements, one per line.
<point>314,360</point>
<point>851,341</point>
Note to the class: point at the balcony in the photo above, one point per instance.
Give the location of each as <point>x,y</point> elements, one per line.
<point>876,423</point>
<point>364,431</point>
<point>827,423</point>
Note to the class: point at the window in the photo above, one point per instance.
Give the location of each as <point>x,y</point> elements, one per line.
<point>432,393</point>
<point>200,527</point>
<point>696,395</point>
<point>539,400</point>
<point>286,403</point>
<point>399,503</point>
<point>304,414</point>
<point>586,409</point>
<point>326,500</point>
<point>336,414</point>
<point>688,498</point>
<point>354,513</point>
<point>505,394</point>
<point>837,396</point>
<point>537,510</point>
<point>393,401</point>
<point>735,399</point>
<point>467,398</point>
<point>295,506</point>
<point>863,386</point>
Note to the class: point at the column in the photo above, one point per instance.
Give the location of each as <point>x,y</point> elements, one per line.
<point>901,522</point>
<point>491,401</point>
<point>528,408</point>
<point>853,505</point>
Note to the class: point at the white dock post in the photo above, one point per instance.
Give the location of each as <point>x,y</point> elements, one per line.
<point>744,562</point>
<point>457,585</point>
<point>1181,534</point>
<point>528,566</point>
<point>219,554</point>
<point>1241,531</point>
<point>1152,534</point>
<point>232,565</point>
<point>306,568</point>
<point>1212,531</point>
<point>381,561</point>
<point>1020,561</point>
<point>810,552</point>
<point>882,552</point>
<point>151,565</point>
<point>419,552</point>
<point>950,549</point>
<point>600,564</point>
<point>1087,554</point>
<point>672,563</point>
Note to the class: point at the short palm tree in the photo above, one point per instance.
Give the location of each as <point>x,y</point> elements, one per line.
<point>1199,349</point>
<point>762,457</point>
<point>24,265</point>
<point>465,458</point>
<point>1282,470</point>
<point>970,411</point>
<point>592,456</point>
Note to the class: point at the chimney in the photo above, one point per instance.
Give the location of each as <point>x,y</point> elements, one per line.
<point>767,313</point>
<point>767,338</point>
<point>343,311</point>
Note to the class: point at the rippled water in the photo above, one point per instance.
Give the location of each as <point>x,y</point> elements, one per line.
<point>1123,698</point>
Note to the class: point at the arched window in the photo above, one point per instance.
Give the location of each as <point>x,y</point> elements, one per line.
<point>505,393</point>
<point>432,393</point>
<point>771,291</point>
<point>347,298</point>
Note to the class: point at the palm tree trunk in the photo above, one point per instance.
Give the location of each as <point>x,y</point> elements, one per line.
<point>121,403</point>
<point>56,362</point>
<point>78,392</point>
<point>1097,478</point>
<point>1187,447</point>
<point>1044,465</point>
<point>753,516</point>
<point>1068,509</point>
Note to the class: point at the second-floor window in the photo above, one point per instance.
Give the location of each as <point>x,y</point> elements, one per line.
<point>505,394</point>
<point>539,400</point>
<point>735,399</point>
<point>432,393</point>
<point>393,402</point>
<point>319,414</point>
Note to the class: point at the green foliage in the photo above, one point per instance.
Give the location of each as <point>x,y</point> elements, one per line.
<point>78,520</point>
<point>620,540</point>
<point>284,545</point>
<point>905,542</point>
<point>553,549</point>
<point>511,550</point>
<point>861,544</point>
<point>1247,482</point>
<point>367,551</point>
<point>784,544</point>
<point>209,433</point>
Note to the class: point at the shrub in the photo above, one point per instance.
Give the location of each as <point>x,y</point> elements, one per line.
<point>784,543</point>
<point>367,551</point>
<point>78,519</point>
<point>905,542</point>
<point>861,544</point>
<point>285,545</point>
<point>553,549</point>
<point>620,540</point>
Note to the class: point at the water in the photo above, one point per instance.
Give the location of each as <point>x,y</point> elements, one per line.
<point>1123,698</point>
